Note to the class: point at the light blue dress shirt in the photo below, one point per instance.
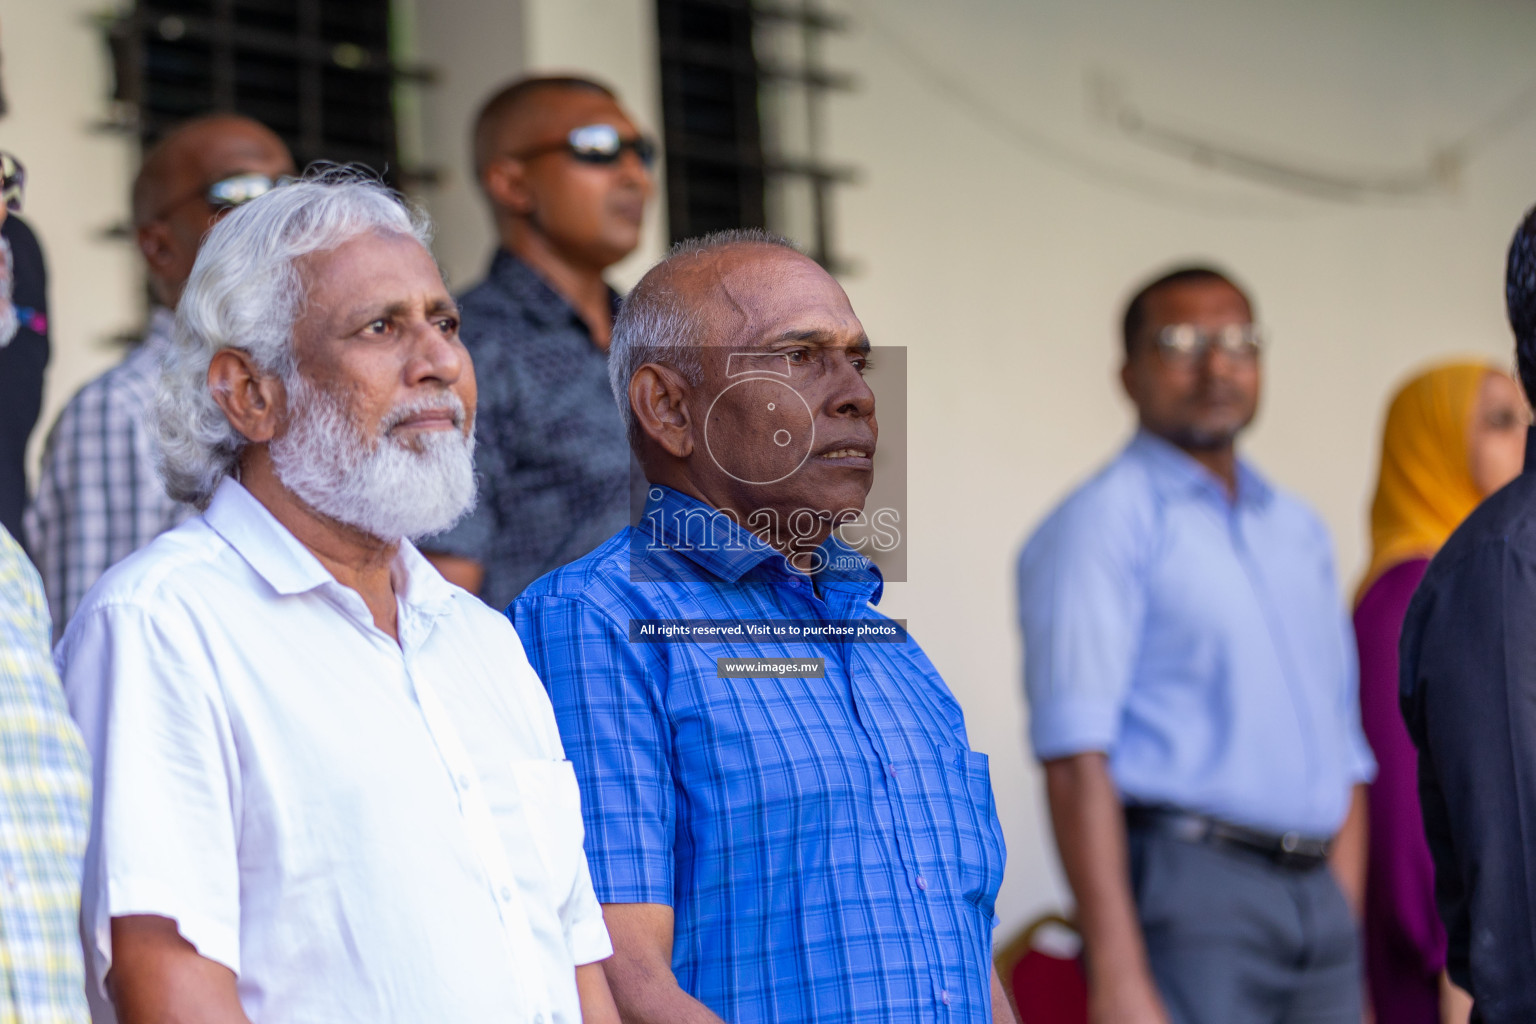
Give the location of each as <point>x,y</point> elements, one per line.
<point>1199,641</point>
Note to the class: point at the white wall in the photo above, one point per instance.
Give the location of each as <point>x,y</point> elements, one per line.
<point>58,80</point>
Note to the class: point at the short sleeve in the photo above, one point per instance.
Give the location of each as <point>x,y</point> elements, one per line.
<point>585,933</point>
<point>164,835</point>
<point>1081,605</point>
<point>616,735</point>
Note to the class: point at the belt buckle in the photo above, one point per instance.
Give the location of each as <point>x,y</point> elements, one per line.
<point>1289,855</point>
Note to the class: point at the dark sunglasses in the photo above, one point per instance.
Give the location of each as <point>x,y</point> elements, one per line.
<point>597,144</point>
<point>13,181</point>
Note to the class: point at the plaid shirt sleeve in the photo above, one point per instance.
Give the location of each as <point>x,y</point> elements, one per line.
<point>617,737</point>
<point>44,813</point>
<point>99,498</point>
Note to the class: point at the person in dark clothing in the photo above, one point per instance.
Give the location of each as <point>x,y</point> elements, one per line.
<point>23,345</point>
<point>1468,692</point>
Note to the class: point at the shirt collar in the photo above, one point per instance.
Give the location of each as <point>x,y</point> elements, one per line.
<point>1175,471</point>
<point>540,301</point>
<point>290,568</point>
<point>709,538</point>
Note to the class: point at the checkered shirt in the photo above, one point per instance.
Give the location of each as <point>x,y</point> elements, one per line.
<point>45,803</point>
<point>99,498</point>
<point>830,847</point>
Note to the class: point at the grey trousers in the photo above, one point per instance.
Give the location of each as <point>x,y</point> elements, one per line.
<point>1235,939</point>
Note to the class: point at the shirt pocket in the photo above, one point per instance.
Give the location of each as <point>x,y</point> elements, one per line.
<point>979,852</point>
<point>553,805</point>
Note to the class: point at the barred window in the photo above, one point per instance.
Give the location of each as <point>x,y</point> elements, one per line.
<point>318,72</point>
<point>743,95</point>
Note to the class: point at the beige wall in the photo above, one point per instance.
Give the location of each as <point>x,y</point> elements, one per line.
<point>58,79</point>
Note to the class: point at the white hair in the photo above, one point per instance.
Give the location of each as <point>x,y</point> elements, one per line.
<point>658,325</point>
<point>246,293</point>
<point>378,484</point>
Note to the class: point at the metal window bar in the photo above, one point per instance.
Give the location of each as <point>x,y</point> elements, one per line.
<point>318,72</point>
<point>727,162</point>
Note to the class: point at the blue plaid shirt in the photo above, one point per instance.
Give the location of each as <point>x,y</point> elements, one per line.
<point>830,847</point>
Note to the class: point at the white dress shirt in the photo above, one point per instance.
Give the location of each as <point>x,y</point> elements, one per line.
<point>361,830</point>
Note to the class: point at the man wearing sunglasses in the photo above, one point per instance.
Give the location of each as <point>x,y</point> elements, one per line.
<point>99,498</point>
<point>567,176</point>
<point>1192,688</point>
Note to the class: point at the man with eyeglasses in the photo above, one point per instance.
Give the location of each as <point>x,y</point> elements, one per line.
<point>1192,688</point>
<point>567,176</point>
<point>99,498</point>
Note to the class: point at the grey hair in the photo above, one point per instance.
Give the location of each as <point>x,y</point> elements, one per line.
<point>246,293</point>
<point>658,324</point>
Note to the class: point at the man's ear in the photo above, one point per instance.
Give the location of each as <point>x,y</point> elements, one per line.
<point>658,398</point>
<point>1128,380</point>
<point>255,404</point>
<point>505,181</point>
<point>154,240</point>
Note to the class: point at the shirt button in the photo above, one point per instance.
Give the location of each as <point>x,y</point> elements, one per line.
<point>538,1018</point>
<point>944,996</point>
<point>890,770</point>
<point>463,782</point>
<point>506,894</point>
<point>922,883</point>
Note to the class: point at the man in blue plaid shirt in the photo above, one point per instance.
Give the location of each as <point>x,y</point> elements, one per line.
<point>818,843</point>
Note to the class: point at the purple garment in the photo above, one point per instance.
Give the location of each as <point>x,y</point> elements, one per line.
<point>1404,939</point>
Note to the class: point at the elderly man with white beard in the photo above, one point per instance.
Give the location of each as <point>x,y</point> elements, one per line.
<point>329,785</point>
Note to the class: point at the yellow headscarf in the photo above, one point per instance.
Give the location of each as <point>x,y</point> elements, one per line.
<point>1425,489</point>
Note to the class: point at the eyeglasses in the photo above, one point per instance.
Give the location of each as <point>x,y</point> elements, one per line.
<point>13,181</point>
<point>1188,343</point>
<point>597,144</point>
<point>226,193</point>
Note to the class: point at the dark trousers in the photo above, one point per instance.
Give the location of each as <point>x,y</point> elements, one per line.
<point>1236,939</point>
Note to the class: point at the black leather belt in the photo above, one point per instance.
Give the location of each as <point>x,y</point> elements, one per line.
<point>1290,850</point>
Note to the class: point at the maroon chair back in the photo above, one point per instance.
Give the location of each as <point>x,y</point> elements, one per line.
<point>1046,986</point>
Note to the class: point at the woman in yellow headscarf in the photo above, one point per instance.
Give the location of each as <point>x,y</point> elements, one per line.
<point>1454,435</point>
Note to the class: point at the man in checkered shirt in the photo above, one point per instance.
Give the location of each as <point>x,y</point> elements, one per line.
<point>818,846</point>
<point>99,498</point>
